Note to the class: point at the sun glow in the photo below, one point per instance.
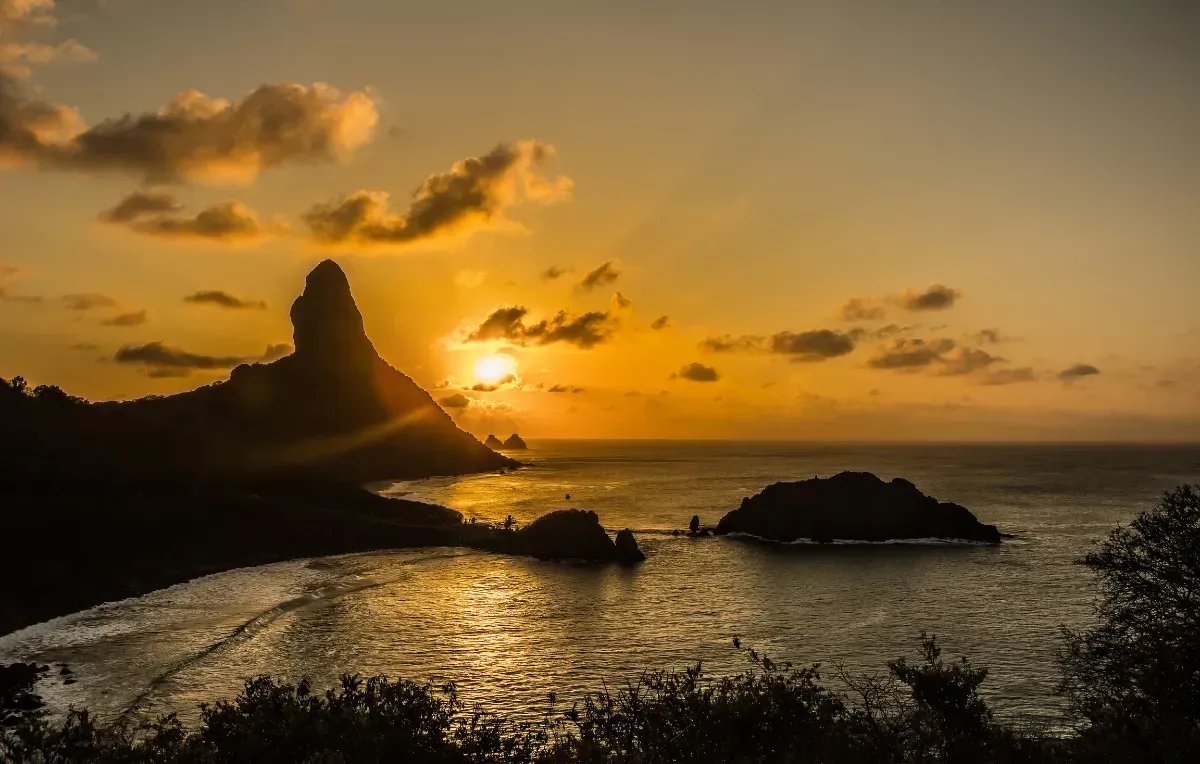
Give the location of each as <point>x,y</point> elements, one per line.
<point>494,369</point>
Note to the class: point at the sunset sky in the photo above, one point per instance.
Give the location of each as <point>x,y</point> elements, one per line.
<point>852,220</point>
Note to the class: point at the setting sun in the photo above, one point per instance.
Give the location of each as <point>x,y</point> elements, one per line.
<point>494,369</point>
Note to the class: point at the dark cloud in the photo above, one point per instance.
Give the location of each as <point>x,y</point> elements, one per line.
<point>861,309</point>
<point>968,361</point>
<point>89,301</point>
<point>194,137</point>
<point>226,221</point>
<point>1078,371</point>
<point>698,372</point>
<point>223,299</point>
<point>621,302</point>
<point>565,389</point>
<point>1009,376</point>
<point>552,273</point>
<point>584,331</point>
<point>141,203</point>
<point>456,401</point>
<point>911,354</point>
<point>816,345</point>
<point>727,343</point>
<point>662,322</point>
<point>936,297</point>
<point>989,337</point>
<point>162,360</point>
<point>603,274</point>
<point>136,318</point>
<point>473,194</point>
<point>494,386</point>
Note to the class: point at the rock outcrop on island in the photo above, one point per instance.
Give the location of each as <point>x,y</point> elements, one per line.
<point>570,534</point>
<point>854,506</point>
<point>332,407</point>
<point>514,443</point>
<point>493,442</point>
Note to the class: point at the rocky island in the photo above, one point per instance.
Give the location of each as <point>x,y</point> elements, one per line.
<point>493,442</point>
<point>514,443</point>
<point>853,506</point>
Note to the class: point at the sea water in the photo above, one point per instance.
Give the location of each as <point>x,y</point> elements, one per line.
<point>509,631</point>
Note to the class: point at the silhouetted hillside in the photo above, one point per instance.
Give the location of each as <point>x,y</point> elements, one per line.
<point>333,408</point>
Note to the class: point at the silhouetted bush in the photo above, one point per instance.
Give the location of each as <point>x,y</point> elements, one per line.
<point>1134,677</point>
<point>770,713</point>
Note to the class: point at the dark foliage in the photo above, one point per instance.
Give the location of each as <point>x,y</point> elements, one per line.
<point>771,713</point>
<point>1134,677</point>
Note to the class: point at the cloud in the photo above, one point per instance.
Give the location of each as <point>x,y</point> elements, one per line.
<point>194,137</point>
<point>565,389</point>
<point>727,343</point>
<point>818,345</point>
<point>989,337</point>
<point>17,54</point>
<point>141,203</point>
<point>227,221</point>
<point>935,297</point>
<point>89,301</point>
<point>968,361</point>
<point>162,360</point>
<point>85,346</point>
<point>911,354</point>
<point>621,302</point>
<point>223,299</point>
<point>1078,371</point>
<point>505,381</point>
<point>660,323</point>
<point>472,195</point>
<point>698,372</point>
<point>584,331</point>
<point>861,309</point>
<point>456,401</point>
<point>1009,376</point>
<point>602,275</point>
<point>552,273</point>
<point>468,279</point>
<point>136,318</point>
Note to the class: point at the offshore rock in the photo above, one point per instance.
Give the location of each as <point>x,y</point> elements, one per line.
<point>853,506</point>
<point>627,547</point>
<point>514,443</point>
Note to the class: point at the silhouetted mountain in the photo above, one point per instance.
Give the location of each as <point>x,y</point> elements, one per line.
<point>855,506</point>
<point>333,405</point>
<point>332,408</point>
<point>493,442</point>
<point>514,443</point>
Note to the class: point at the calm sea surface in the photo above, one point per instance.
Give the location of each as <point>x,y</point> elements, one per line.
<point>510,630</point>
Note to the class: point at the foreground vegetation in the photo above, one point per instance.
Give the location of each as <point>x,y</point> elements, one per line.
<point>1132,683</point>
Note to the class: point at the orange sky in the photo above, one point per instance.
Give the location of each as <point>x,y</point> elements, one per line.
<point>817,220</point>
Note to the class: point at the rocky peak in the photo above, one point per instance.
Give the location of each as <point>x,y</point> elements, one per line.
<point>326,324</point>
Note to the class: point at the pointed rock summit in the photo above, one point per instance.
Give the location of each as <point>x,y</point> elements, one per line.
<point>493,442</point>
<point>333,407</point>
<point>326,324</point>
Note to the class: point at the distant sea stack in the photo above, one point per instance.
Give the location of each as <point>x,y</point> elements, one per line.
<point>514,443</point>
<point>333,407</point>
<point>854,506</point>
<point>493,442</point>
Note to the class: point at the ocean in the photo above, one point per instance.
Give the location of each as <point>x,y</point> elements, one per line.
<point>510,631</point>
